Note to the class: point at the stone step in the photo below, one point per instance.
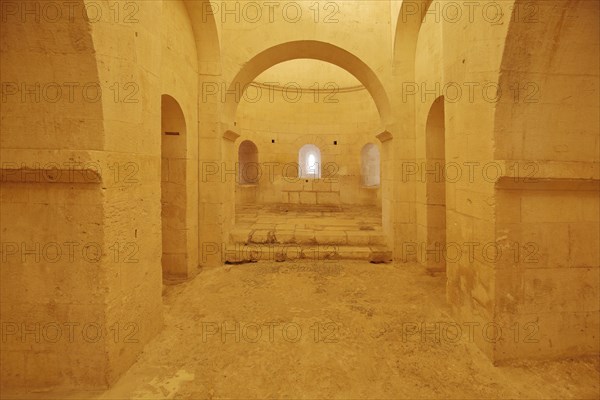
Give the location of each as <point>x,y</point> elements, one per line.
<point>252,252</point>
<point>307,237</point>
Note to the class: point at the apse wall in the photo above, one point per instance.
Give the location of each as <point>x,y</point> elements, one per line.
<point>339,121</point>
<point>345,26</point>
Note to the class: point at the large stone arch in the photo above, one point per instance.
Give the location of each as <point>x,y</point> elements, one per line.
<point>207,36</point>
<point>408,23</point>
<point>410,18</point>
<point>311,49</point>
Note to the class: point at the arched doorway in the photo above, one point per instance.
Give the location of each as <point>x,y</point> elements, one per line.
<point>435,186</point>
<point>309,49</point>
<point>173,189</point>
<point>249,169</point>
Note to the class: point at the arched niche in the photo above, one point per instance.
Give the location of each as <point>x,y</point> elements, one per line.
<point>435,185</point>
<point>249,169</point>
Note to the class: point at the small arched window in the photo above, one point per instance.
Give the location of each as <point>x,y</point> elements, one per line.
<point>309,162</point>
<point>249,169</point>
<point>370,169</point>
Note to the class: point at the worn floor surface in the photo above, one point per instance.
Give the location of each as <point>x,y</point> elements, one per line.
<point>320,330</point>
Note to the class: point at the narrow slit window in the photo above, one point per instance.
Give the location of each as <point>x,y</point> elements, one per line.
<point>309,162</point>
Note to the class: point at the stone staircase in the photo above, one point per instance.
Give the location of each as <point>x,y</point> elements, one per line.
<point>322,243</point>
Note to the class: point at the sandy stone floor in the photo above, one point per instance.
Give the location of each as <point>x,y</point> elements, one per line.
<point>336,329</point>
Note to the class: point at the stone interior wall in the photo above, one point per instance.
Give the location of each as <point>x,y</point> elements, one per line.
<point>444,68</point>
<point>520,171</point>
<point>550,211</point>
<point>105,203</point>
<point>52,210</point>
